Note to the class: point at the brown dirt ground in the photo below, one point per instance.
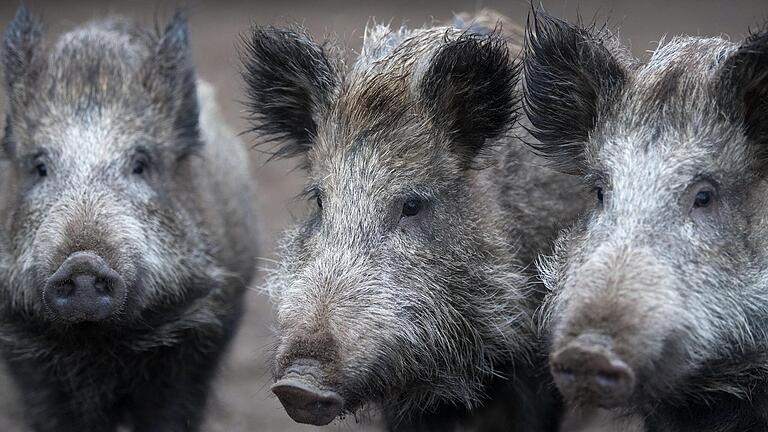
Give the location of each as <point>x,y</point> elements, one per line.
<point>242,401</point>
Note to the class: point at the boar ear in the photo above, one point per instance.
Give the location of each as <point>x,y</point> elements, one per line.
<point>20,47</point>
<point>469,87</point>
<point>289,80</point>
<point>170,80</point>
<point>744,85</point>
<point>570,78</point>
<point>22,39</point>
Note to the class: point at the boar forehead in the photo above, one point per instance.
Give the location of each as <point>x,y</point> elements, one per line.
<point>377,135</point>
<point>387,163</point>
<point>89,76</point>
<point>99,141</point>
<point>668,126</point>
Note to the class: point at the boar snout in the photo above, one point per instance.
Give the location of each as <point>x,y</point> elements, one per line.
<point>85,288</point>
<point>587,370</point>
<point>304,395</point>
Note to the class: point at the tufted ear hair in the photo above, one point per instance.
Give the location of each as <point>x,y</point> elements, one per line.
<point>570,79</point>
<point>22,41</point>
<point>469,89</point>
<point>289,80</point>
<point>169,78</point>
<point>21,47</point>
<point>743,85</point>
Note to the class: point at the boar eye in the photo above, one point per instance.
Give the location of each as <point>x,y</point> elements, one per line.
<point>411,207</point>
<point>140,163</point>
<point>703,199</point>
<point>41,169</point>
<point>139,167</point>
<point>599,193</point>
<point>319,202</point>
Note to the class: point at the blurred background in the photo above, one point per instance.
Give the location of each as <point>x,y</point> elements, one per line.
<point>242,401</point>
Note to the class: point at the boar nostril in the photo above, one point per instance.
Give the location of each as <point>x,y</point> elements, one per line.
<point>102,286</point>
<point>64,290</point>
<point>84,288</point>
<point>591,374</point>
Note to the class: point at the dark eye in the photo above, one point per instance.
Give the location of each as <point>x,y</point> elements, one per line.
<point>319,202</point>
<point>41,169</point>
<point>411,207</point>
<point>599,193</point>
<point>703,199</point>
<point>139,166</point>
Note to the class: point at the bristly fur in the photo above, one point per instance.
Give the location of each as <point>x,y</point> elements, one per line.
<point>161,61</point>
<point>570,77</point>
<point>22,38</point>
<point>488,21</point>
<point>746,74</point>
<point>171,79</point>
<point>288,80</point>
<point>285,99</point>
<point>468,86</point>
<point>425,316</point>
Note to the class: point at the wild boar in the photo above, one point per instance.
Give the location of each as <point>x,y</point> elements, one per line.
<point>408,285</point>
<point>127,232</point>
<point>657,302</point>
